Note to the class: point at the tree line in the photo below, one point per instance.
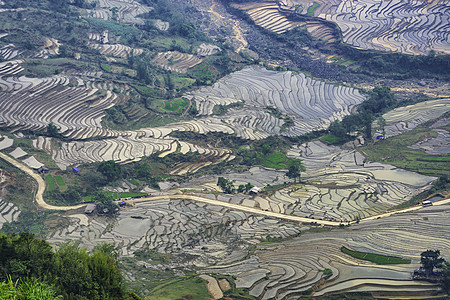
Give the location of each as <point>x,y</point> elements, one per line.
<point>30,265</point>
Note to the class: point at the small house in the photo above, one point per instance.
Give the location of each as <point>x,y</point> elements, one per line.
<point>90,208</point>
<point>76,170</point>
<point>254,190</point>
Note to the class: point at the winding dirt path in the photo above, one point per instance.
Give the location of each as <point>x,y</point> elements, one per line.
<point>238,35</point>
<point>41,188</point>
<point>41,185</point>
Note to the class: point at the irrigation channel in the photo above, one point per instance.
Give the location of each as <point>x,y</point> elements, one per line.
<point>41,202</point>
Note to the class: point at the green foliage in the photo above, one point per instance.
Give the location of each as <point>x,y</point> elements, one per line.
<point>271,239</point>
<point>53,131</point>
<point>226,185</point>
<point>446,276</point>
<point>327,272</point>
<point>50,181</point>
<point>30,289</point>
<point>380,100</point>
<point>375,258</point>
<point>294,170</point>
<point>110,169</point>
<point>223,109</point>
<point>278,160</point>
<point>332,139</point>
<point>431,259</point>
<point>75,273</point>
<point>23,256</point>
<point>105,203</point>
<point>244,188</point>
<point>59,180</point>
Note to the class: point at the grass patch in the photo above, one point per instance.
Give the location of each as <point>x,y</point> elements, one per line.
<point>170,106</point>
<point>435,158</point>
<point>395,151</point>
<point>375,258</point>
<point>134,181</point>
<point>327,272</point>
<point>106,67</point>
<point>311,9</point>
<point>116,195</point>
<point>51,183</point>
<point>331,139</point>
<point>148,92</point>
<point>131,194</point>
<point>277,160</point>
<point>59,180</point>
<point>270,188</point>
<point>181,288</point>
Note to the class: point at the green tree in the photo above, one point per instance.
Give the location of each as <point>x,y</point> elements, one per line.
<point>73,277</point>
<point>226,185</point>
<point>106,275</point>
<point>110,169</point>
<point>53,130</point>
<point>431,259</point>
<point>24,256</point>
<point>105,203</point>
<point>446,276</point>
<point>294,171</point>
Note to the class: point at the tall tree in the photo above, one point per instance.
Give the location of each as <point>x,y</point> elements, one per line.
<point>110,169</point>
<point>431,259</point>
<point>294,171</point>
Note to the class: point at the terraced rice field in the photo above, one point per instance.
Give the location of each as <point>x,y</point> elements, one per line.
<point>176,61</point>
<point>286,270</point>
<point>127,11</point>
<point>169,226</point>
<point>312,104</point>
<point>8,211</point>
<point>409,117</point>
<point>8,52</point>
<point>268,16</point>
<point>412,27</point>
<point>207,49</point>
<point>102,38</point>
<point>124,149</point>
<point>438,145</point>
<point>117,50</point>
<point>339,186</point>
<point>32,103</point>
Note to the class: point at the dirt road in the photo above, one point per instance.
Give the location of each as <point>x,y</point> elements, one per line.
<point>250,210</point>
<point>41,188</point>
<point>41,185</point>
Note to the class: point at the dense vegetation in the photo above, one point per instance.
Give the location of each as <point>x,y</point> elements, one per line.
<point>70,271</point>
<point>380,100</point>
